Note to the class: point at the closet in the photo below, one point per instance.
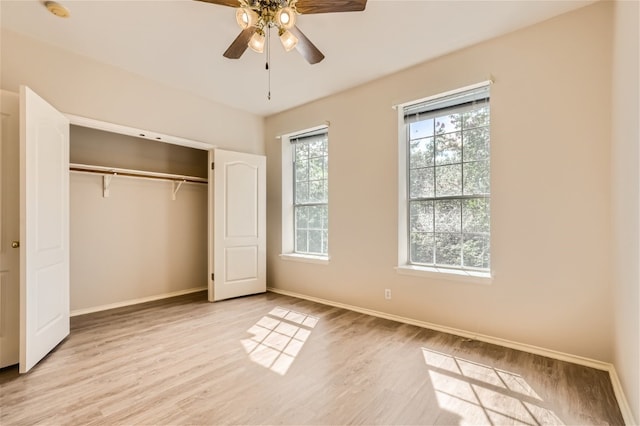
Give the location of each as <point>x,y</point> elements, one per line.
<point>111,216</point>
<point>138,219</point>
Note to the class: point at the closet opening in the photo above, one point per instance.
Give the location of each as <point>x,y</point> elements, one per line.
<point>138,219</point>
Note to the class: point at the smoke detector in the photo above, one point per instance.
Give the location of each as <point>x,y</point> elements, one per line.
<point>57,9</point>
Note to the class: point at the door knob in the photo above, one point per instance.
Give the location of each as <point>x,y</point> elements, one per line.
<point>15,244</point>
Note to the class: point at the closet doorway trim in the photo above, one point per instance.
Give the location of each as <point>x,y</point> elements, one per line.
<point>138,133</point>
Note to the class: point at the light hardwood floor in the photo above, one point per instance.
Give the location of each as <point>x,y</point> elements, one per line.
<point>272,359</point>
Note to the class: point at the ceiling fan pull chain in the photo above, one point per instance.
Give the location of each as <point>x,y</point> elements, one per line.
<point>267,67</point>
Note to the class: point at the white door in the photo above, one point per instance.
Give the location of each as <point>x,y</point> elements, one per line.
<point>9,229</point>
<point>44,228</point>
<point>239,225</point>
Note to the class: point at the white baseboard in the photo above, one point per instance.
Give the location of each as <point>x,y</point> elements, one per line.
<point>550,353</point>
<point>135,301</point>
<point>627,415</point>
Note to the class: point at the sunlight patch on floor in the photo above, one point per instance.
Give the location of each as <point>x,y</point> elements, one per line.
<point>277,338</point>
<point>475,391</point>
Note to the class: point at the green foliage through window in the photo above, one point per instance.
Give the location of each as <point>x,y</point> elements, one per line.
<point>311,194</point>
<point>448,182</point>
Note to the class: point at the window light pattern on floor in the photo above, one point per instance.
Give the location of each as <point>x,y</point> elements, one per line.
<point>277,338</point>
<point>468,388</point>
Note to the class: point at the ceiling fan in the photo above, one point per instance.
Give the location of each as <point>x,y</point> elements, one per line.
<point>256,17</point>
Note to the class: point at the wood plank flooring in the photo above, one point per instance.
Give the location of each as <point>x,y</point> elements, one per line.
<point>273,359</point>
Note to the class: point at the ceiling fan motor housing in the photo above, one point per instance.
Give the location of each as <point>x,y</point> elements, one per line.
<point>271,13</point>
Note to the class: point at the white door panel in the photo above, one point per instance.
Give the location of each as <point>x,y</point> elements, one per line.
<point>241,263</point>
<point>44,228</point>
<point>239,225</point>
<point>241,189</point>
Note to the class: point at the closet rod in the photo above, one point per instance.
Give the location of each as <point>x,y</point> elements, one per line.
<point>85,168</point>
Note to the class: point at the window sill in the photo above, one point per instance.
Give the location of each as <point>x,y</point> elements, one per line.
<point>305,258</point>
<point>446,274</point>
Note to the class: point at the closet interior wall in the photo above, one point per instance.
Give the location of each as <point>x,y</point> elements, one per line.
<point>136,243</point>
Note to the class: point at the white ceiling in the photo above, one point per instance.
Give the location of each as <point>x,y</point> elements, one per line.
<point>180,43</point>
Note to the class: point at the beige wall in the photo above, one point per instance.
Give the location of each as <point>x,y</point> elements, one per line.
<point>551,238</point>
<point>77,85</point>
<point>137,243</point>
<point>625,201</point>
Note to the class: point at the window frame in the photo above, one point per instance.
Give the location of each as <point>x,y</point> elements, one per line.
<point>405,266</point>
<point>288,190</point>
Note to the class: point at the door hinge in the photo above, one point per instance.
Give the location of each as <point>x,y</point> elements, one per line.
<point>213,166</point>
<point>213,275</point>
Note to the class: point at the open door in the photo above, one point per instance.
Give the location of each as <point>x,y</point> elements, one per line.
<point>9,229</point>
<point>44,228</point>
<point>239,225</point>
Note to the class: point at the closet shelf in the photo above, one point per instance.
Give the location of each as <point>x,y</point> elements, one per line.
<point>109,172</point>
<point>86,168</point>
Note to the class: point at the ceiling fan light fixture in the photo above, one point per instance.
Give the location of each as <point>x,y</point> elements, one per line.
<point>246,17</point>
<point>286,18</point>
<point>256,42</point>
<point>288,40</point>
<point>256,17</point>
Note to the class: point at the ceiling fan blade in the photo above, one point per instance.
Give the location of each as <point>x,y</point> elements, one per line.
<point>230,3</point>
<point>307,49</point>
<point>328,6</point>
<point>239,45</point>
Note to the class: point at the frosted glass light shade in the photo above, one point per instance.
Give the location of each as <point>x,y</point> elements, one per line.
<point>289,41</point>
<point>286,18</point>
<point>246,17</point>
<point>256,43</point>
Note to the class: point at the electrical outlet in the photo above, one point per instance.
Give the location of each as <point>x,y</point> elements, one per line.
<point>387,293</point>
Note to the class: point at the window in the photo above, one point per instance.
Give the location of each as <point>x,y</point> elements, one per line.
<point>306,194</point>
<point>445,202</point>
